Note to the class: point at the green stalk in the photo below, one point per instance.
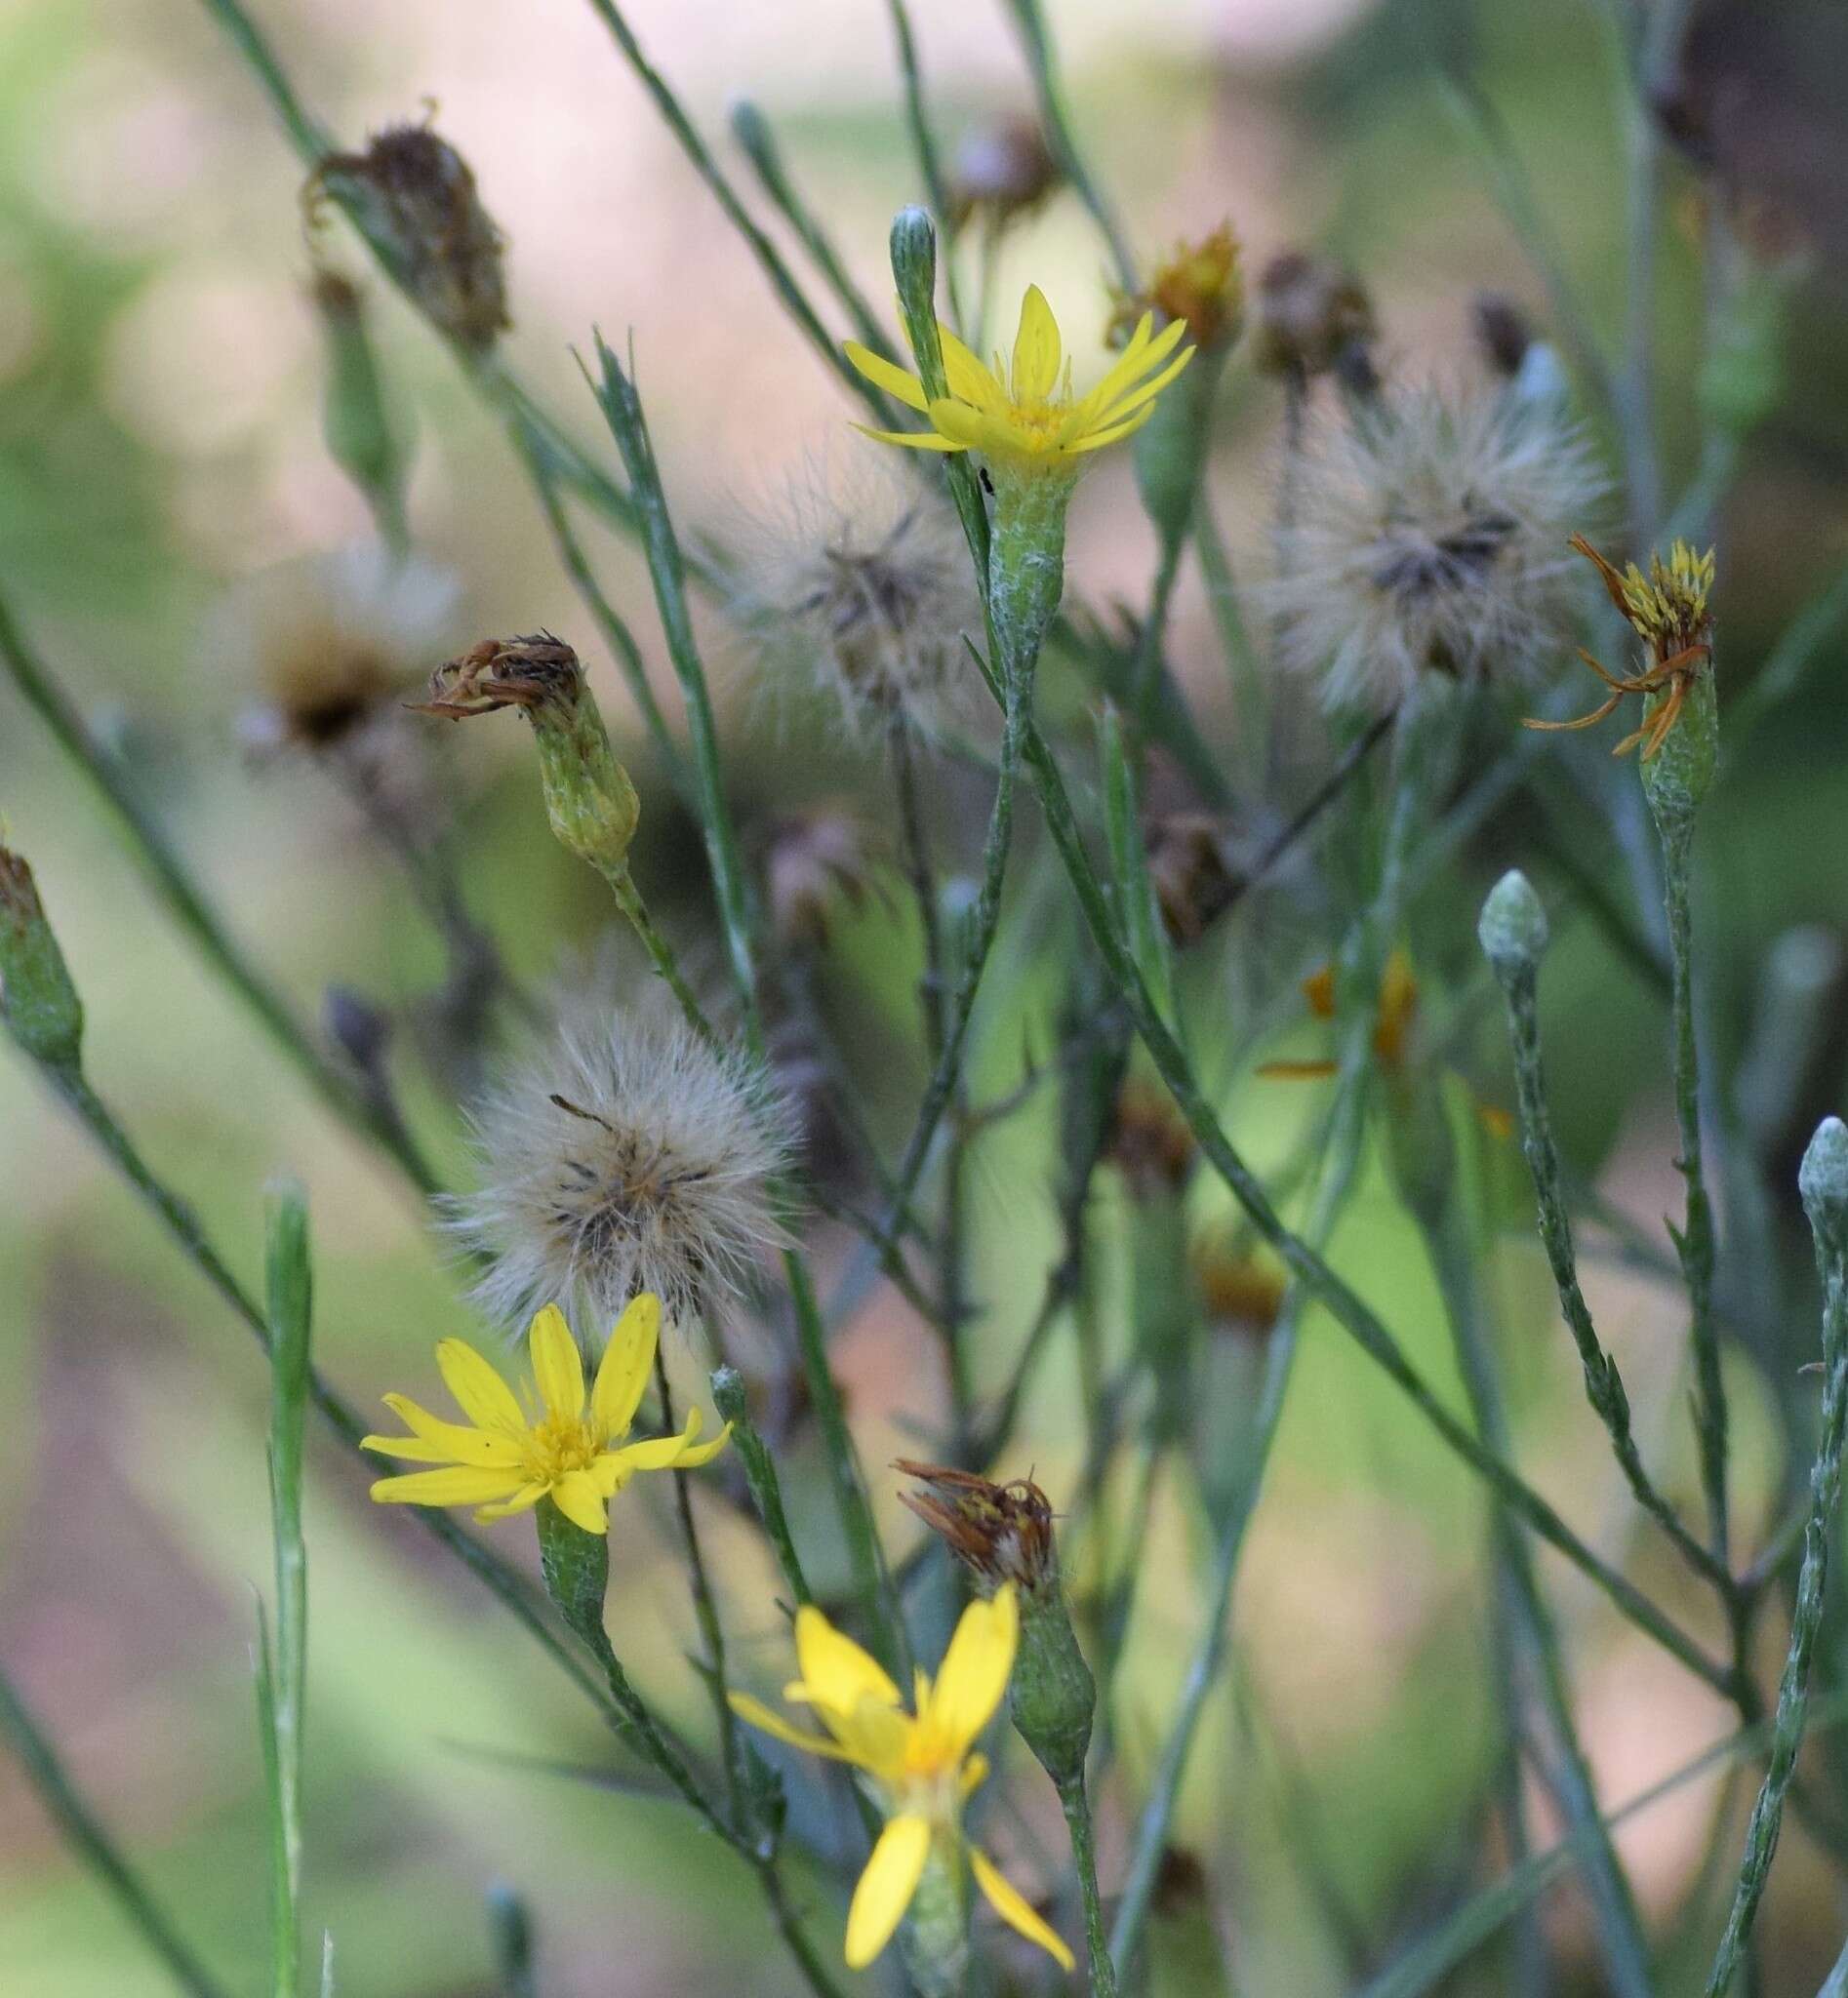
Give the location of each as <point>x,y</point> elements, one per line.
<point>1824,1185</point>
<point>87,1836</point>
<point>760,1475</point>
<point>924,146</point>
<point>174,884</point>
<point>1075,1801</point>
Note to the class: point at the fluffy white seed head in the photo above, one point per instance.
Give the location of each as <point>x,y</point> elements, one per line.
<point>1429,541</point>
<point>859,587</point>
<point>625,1155</point>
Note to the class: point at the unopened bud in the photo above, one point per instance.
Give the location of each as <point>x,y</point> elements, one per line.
<point>1004,1535</point>
<point>1823,1181</point>
<point>589,799</point>
<point>1512,927</point>
<point>413,197</point>
<point>360,438</point>
<point>37,1000</point>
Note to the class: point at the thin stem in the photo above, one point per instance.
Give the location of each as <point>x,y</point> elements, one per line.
<point>186,904</point>
<point>924,144</point>
<point>1695,1243</point>
<point>85,1833</point>
<point>1075,1801</point>
<point>1793,1710</point>
<point>760,1475</point>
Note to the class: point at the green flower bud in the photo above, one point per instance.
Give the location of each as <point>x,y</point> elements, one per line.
<point>37,1000</point>
<point>589,799</point>
<point>1823,1181</point>
<point>360,437</point>
<point>1512,927</point>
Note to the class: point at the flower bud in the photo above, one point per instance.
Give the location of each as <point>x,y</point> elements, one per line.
<point>413,197</point>
<point>359,433</point>
<point>1823,1181</point>
<point>1512,927</point>
<point>1004,1533</point>
<point>37,1000</point>
<point>589,799</point>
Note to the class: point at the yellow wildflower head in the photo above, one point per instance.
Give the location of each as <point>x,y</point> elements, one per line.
<point>1021,414</point>
<point>920,1765</point>
<point>563,1445</point>
<point>1201,283</point>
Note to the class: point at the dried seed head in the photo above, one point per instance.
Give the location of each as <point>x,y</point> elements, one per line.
<point>864,588</point>
<point>1311,315</point>
<point>1428,543</point>
<point>1000,172</point>
<point>625,1155</point>
<point>1149,1143</point>
<point>1003,1532</point>
<point>331,641</point>
<point>1201,282</point>
<point>1192,873</point>
<point>414,197</point>
<point>812,863</point>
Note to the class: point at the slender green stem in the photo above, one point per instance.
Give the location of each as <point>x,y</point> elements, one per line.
<point>1792,1709</point>
<point>770,259</point>
<point>1075,1801</point>
<point>1036,43</point>
<point>760,1475</point>
<point>85,1833</point>
<point>930,168</point>
<point>185,903</point>
<point>1695,1242</point>
<point>1603,1384</point>
<point>1345,1305</point>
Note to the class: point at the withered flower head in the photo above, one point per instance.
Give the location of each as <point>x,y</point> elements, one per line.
<point>331,642</point>
<point>1667,610</point>
<point>38,1001</point>
<point>413,197</point>
<point>1241,1291</point>
<point>1149,1143</point>
<point>1427,543</point>
<point>1201,282</point>
<point>1191,871</point>
<point>814,862</point>
<point>593,805</point>
<point>1000,172</point>
<point>1311,315</point>
<point>1003,1532</point>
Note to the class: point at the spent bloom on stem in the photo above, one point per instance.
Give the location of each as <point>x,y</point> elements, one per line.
<point>921,1766</point>
<point>1312,315</point>
<point>1023,416</point>
<point>1001,173</point>
<point>859,585</point>
<point>1428,545</point>
<point>561,1445</point>
<point>1203,283</point>
<point>628,1154</point>
<point>1667,610</point>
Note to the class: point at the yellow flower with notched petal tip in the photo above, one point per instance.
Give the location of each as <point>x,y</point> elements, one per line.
<point>921,1766</point>
<point>562,1446</point>
<point>1024,418</point>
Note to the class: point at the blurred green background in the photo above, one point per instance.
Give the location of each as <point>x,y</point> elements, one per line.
<point>160,439</point>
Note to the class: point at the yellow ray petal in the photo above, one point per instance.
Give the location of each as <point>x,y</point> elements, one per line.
<point>461,1485</point>
<point>834,1668</point>
<point>1146,351</point>
<point>908,388</point>
<point>1121,406</point>
<point>1015,1909</point>
<point>557,1365</point>
<point>480,1392</point>
<point>1095,440</point>
<point>886,1888</point>
<point>664,1453</point>
<point>523,1501</point>
<point>1037,351</point>
<point>623,1372</point>
<point>577,1496</point>
<point>975,1772</point>
<point>773,1723</point>
<point>969,380</point>
<point>875,1735</point>
<point>915,440</point>
<point>972,1680</point>
<point>456,1443</point>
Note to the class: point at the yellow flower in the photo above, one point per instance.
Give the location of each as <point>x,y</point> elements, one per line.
<point>1024,416</point>
<point>561,1447</point>
<point>920,1765</point>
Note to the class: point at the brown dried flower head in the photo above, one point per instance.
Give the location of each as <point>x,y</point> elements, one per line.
<point>1149,1143</point>
<point>1241,1293</point>
<point>505,672</point>
<point>1311,315</point>
<point>414,196</point>
<point>1201,282</point>
<point>1001,172</point>
<point>1003,1532</point>
<point>1191,871</point>
<point>815,861</point>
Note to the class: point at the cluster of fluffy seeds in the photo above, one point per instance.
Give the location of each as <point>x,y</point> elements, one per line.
<point>626,1156</point>
<point>329,641</point>
<point>862,590</point>
<point>1429,539</point>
